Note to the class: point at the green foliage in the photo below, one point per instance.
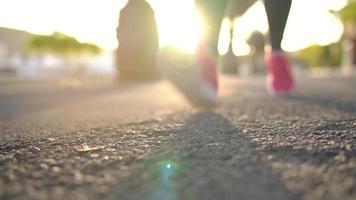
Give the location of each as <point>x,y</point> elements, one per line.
<point>61,44</point>
<point>348,13</point>
<point>321,56</point>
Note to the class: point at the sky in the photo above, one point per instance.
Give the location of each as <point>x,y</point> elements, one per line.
<point>95,21</point>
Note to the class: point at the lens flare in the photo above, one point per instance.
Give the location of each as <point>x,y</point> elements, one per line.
<point>167,169</point>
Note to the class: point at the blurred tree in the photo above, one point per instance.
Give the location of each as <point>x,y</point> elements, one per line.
<point>348,17</point>
<point>348,14</point>
<point>321,56</point>
<point>60,44</point>
<point>68,48</point>
<point>334,54</point>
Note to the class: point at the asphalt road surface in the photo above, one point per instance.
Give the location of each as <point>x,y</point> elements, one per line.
<point>94,139</point>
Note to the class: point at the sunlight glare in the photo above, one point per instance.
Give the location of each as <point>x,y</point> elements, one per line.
<point>240,47</point>
<point>312,24</point>
<point>254,19</point>
<point>179,23</point>
<point>89,21</point>
<point>331,4</point>
<point>224,36</point>
<point>243,27</point>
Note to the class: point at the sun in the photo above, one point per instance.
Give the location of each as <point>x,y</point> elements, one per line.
<point>179,23</point>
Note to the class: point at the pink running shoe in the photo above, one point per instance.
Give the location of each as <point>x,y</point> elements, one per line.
<point>209,83</point>
<point>279,79</point>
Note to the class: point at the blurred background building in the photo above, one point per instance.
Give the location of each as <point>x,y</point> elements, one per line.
<point>12,50</point>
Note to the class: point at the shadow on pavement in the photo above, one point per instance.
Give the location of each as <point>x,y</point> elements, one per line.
<point>209,158</point>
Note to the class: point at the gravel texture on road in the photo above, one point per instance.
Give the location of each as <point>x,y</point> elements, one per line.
<point>96,140</point>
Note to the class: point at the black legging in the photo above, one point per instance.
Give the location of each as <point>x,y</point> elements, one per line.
<point>277,14</point>
<point>214,10</point>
